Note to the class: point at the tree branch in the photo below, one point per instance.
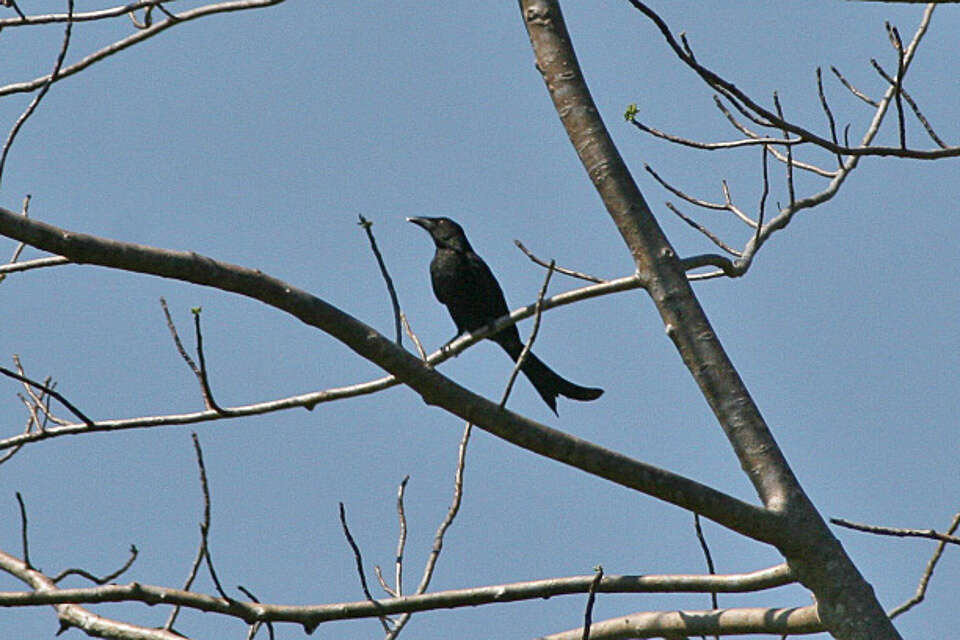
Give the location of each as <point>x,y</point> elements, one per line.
<point>846,602</point>
<point>670,624</point>
<point>312,615</point>
<point>435,388</point>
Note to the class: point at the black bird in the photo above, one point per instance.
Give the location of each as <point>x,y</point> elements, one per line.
<point>464,283</point>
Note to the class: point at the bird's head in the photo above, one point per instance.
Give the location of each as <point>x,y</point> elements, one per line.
<point>446,233</point>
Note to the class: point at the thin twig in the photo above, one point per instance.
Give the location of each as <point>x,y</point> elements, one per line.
<point>39,404</point>
<point>702,229</point>
<point>199,371</point>
<point>897,45</point>
<point>13,3</point>
<point>776,154</point>
<point>763,197</point>
<point>256,625</point>
<point>870,101</point>
<point>445,524</point>
<point>204,529</point>
<point>894,531</point>
<point>110,577</point>
<point>49,391</point>
<point>358,558</point>
<point>913,105</point>
<point>205,525</point>
<point>27,265</point>
<point>43,90</point>
<point>402,538</point>
<point>23,531</point>
<point>390,591</point>
<point>591,599</point>
<point>533,335</point>
<point>564,271</point>
<point>204,378</point>
<point>706,554</point>
<point>790,189</point>
<point>706,204</point>
<point>176,339</point>
<point>368,227</point>
<point>927,573</point>
<point>413,336</point>
<point>829,114</point>
<point>714,146</point>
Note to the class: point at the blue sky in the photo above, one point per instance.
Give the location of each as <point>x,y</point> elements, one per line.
<point>257,138</point>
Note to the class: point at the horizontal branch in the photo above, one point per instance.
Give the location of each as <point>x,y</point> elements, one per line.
<point>931,534</point>
<point>669,624</point>
<point>435,388</point>
<point>26,265</point>
<point>81,16</point>
<point>312,615</point>
<point>70,614</point>
<point>135,38</point>
<point>313,398</point>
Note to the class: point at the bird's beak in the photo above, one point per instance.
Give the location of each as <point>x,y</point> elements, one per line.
<point>426,223</point>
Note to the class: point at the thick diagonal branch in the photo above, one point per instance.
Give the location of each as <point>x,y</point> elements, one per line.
<point>846,601</point>
<point>435,388</point>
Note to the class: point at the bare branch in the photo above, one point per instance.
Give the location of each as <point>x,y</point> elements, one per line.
<point>927,573</point>
<point>89,16</point>
<point>71,615</point>
<point>256,625</point>
<point>312,615</point>
<point>368,227</point>
<point>710,259</point>
<point>893,531</point>
<point>702,229</point>
<point>23,531</point>
<point>670,624</point>
<point>33,264</point>
<point>760,115</point>
<point>777,154</point>
<point>204,530</point>
<point>204,377</point>
<point>913,105</point>
<point>706,204</point>
<point>525,352</point>
<point>854,90</point>
<point>136,38</point>
<point>897,45</point>
<point>826,110</point>
<point>591,598</point>
<point>43,91</point>
<point>49,391</point>
<point>402,537</point>
<point>435,388</point>
<point>789,163</point>
<point>413,336</point>
<point>706,554</point>
<point>359,560</point>
<point>566,272</point>
<point>714,146</point>
<point>110,577</point>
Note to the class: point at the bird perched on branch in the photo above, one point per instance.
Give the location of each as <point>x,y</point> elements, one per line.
<point>464,283</point>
